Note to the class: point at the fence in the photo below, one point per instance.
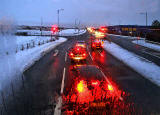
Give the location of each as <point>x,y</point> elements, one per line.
<point>29,45</point>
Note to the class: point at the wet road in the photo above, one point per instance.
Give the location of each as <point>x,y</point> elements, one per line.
<point>48,78</point>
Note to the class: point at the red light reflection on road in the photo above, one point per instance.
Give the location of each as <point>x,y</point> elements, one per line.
<point>99,55</point>
<point>85,97</point>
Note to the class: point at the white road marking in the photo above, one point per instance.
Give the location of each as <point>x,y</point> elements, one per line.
<point>89,53</point>
<point>62,85</point>
<point>145,59</point>
<point>56,53</point>
<point>109,82</point>
<point>57,110</point>
<point>90,56</point>
<point>59,104</point>
<point>66,57</point>
<point>151,54</point>
<point>100,53</point>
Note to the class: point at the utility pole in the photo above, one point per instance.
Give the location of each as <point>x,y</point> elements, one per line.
<point>146,15</point>
<point>41,25</point>
<point>58,11</point>
<point>146,19</point>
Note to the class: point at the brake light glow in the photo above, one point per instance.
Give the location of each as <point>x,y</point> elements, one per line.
<point>110,88</point>
<point>95,83</point>
<point>84,54</point>
<point>81,86</point>
<point>71,54</point>
<point>77,49</point>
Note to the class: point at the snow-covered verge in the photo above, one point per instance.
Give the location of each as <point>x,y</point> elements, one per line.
<point>147,44</point>
<point>20,43</point>
<point>72,32</point>
<point>126,37</point>
<point>65,32</point>
<point>146,68</point>
<point>13,64</point>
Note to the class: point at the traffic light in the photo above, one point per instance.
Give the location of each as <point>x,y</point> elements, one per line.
<point>54,28</point>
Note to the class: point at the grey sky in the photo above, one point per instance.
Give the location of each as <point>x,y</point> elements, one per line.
<point>88,11</point>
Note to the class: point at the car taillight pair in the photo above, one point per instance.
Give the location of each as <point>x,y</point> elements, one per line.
<point>81,86</point>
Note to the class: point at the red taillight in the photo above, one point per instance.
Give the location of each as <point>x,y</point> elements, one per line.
<point>81,86</point>
<point>77,49</point>
<point>110,87</point>
<point>71,54</point>
<point>84,54</point>
<point>93,45</point>
<point>95,83</point>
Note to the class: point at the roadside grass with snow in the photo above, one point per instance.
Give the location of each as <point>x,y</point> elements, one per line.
<point>147,44</point>
<point>13,64</point>
<point>146,68</point>
<point>126,37</point>
<point>65,32</point>
<point>72,32</point>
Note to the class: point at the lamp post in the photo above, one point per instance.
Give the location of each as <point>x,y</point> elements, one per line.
<point>58,11</point>
<point>146,14</point>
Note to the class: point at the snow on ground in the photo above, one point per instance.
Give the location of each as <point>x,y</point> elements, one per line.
<point>35,32</point>
<point>146,68</point>
<point>126,37</point>
<point>22,41</point>
<point>72,32</point>
<point>13,64</point>
<point>147,44</point>
<point>65,32</point>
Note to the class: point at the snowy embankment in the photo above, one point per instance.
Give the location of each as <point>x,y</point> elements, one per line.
<point>12,64</point>
<point>127,37</point>
<point>71,32</point>
<point>146,68</point>
<point>65,32</point>
<point>140,41</point>
<point>147,44</point>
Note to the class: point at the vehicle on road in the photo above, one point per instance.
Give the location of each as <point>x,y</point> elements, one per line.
<point>81,44</point>
<point>91,93</point>
<point>78,53</point>
<point>96,44</point>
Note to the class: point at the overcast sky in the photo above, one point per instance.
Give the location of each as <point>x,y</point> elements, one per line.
<point>110,12</point>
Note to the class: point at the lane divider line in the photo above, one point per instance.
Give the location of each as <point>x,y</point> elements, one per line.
<point>62,85</point>
<point>58,107</point>
<point>100,53</point>
<point>109,82</point>
<point>89,53</point>
<point>66,57</point>
<point>151,54</point>
<point>56,53</point>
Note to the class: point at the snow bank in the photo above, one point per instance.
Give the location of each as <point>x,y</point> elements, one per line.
<point>65,32</point>
<point>12,44</point>
<point>147,44</point>
<point>72,32</point>
<point>12,65</point>
<point>126,37</point>
<point>146,68</point>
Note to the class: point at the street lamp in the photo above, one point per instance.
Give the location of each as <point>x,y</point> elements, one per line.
<point>58,14</point>
<point>146,14</point>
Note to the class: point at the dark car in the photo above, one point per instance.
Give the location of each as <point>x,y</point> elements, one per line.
<point>96,44</point>
<point>89,92</point>
<point>78,53</point>
<point>81,44</point>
